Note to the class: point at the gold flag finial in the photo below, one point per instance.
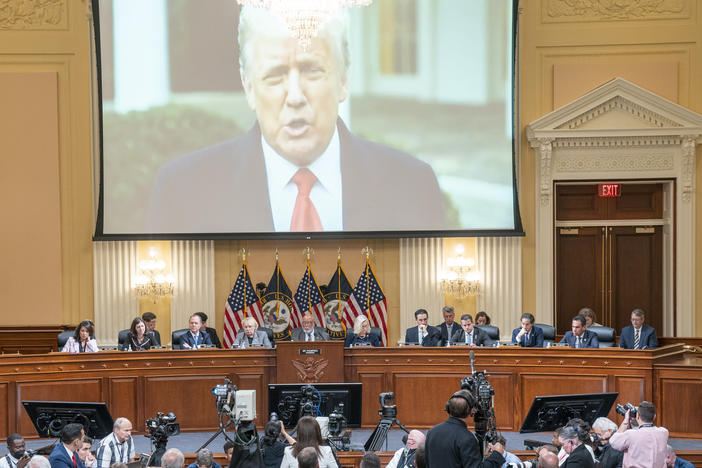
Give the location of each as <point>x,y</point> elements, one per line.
<point>308,252</point>
<point>276,254</point>
<point>367,251</point>
<point>338,255</point>
<point>243,253</point>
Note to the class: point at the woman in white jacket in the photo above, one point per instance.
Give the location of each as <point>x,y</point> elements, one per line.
<point>82,340</point>
<point>309,435</point>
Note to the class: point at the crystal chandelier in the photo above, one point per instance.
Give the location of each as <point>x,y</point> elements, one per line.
<point>460,279</point>
<point>304,17</point>
<point>151,281</point>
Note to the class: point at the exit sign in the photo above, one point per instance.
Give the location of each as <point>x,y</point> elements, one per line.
<point>609,190</point>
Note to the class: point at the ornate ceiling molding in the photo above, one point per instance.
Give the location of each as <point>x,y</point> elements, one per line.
<point>33,14</point>
<point>619,10</point>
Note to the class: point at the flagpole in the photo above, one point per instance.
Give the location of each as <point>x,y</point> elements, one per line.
<point>243,253</point>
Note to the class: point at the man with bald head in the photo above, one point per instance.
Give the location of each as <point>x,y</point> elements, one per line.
<point>173,458</point>
<point>547,460</point>
<point>117,447</point>
<point>299,167</point>
<point>404,457</point>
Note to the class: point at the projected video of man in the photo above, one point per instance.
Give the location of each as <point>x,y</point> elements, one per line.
<point>299,168</point>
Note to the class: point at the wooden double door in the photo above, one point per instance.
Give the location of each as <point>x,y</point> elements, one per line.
<point>612,270</point>
<point>613,261</point>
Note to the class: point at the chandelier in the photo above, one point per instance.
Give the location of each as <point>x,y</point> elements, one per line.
<point>152,281</point>
<point>304,17</point>
<point>460,279</point>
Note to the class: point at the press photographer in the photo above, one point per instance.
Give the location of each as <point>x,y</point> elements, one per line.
<point>644,445</point>
<point>271,445</point>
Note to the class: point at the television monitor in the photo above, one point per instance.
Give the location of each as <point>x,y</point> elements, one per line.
<point>409,130</point>
<point>548,413</point>
<point>285,400</point>
<point>49,417</point>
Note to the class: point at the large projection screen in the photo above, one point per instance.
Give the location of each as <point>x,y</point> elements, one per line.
<point>397,119</point>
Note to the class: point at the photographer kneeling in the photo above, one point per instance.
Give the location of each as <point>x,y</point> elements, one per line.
<point>609,457</point>
<point>644,445</point>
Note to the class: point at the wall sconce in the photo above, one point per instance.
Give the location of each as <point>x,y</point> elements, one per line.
<point>152,281</point>
<point>460,279</point>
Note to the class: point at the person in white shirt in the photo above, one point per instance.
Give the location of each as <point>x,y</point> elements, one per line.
<point>15,457</point>
<point>404,457</point>
<point>118,446</point>
<point>309,435</point>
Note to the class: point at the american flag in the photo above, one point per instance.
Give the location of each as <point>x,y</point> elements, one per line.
<point>241,303</point>
<point>309,298</point>
<point>368,299</point>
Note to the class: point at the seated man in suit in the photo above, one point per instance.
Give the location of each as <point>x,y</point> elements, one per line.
<point>210,331</point>
<point>195,338</point>
<point>423,334</point>
<point>65,454</point>
<point>250,335</point>
<point>528,335</point>
<point>149,319</point>
<point>579,337</point>
<point>469,335</point>
<point>449,327</point>
<point>638,335</point>
<point>309,332</point>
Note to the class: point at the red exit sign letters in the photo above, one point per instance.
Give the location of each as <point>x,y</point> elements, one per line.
<point>609,190</point>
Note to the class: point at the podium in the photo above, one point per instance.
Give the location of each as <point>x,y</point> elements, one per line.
<point>309,362</point>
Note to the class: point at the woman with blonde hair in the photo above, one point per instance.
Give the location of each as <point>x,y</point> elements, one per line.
<point>361,335</point>
<point>250,335</point>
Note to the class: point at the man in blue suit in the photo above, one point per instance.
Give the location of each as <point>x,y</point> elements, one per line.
<point>423,334</point>
<point>195,337</point>
<point>579,337</point>
<point>528,335</point>
<point>65,453</point>
<point>638,335</point>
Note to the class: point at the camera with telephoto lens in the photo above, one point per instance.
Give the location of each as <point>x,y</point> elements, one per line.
<point>628,407</point>
<point>484,417</point>
<point>162,426</point>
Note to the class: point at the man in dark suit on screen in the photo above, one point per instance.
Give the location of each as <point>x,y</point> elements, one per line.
<point>299,168</point>
<point>65,454</point>
<point>422,334</point>
<point>638,335</point>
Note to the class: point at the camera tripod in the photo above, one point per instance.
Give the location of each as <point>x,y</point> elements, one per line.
<point>380,433</point>
<point>222,430</point>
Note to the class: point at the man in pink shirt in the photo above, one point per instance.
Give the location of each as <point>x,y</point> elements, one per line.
<point>643,446</point>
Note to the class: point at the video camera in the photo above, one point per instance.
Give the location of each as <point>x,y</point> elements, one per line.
<point>386,409</point>
<point>484,417</point>
<point>337,423</point>
<point>237,404</point>
<point>162,426</point>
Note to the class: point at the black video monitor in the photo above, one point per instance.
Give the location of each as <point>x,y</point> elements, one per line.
<point>49,417</point>
<point>548,413</point>
<point>287,401</point>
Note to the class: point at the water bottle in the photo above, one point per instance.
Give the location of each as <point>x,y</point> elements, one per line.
<point>130,347</point>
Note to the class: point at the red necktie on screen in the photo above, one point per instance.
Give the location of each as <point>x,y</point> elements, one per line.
<point>305,216</point>
<point>75,463</point>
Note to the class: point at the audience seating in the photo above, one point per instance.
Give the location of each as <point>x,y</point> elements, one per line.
<point>606,336</point>
<point>493,333</point>
<point>63,338</point>
<point>549,332</point>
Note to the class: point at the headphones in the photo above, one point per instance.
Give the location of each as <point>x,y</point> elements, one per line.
<point>465,395</point>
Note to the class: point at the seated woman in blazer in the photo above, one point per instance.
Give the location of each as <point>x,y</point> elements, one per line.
<point>138,338</point>
<point>361,335</point>
<point>83,340</point>
<point>251,336</point>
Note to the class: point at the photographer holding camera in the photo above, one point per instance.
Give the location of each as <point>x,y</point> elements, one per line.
<point>644,445</point>
<point>451,445</point>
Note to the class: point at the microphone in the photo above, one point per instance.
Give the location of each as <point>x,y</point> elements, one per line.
<point>472,362</point>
